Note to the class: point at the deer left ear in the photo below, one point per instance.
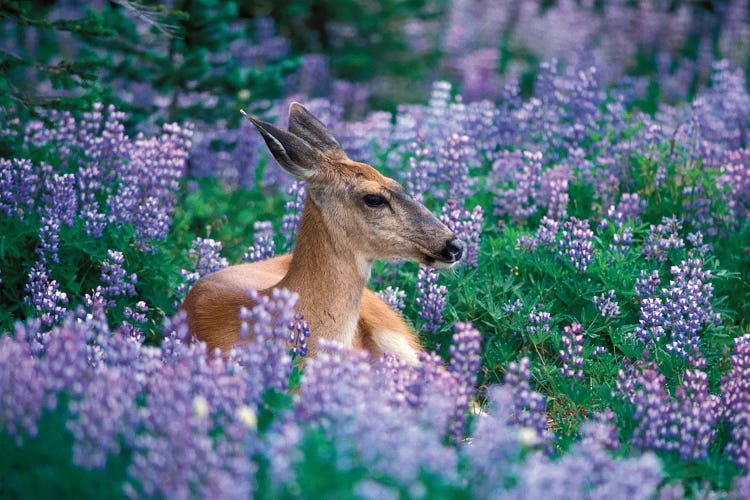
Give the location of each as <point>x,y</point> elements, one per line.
<point>293,153</point>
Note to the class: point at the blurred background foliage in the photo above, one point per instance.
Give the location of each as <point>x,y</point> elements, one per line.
<point>202,59</point>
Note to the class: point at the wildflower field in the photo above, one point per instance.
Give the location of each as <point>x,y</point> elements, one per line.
<point>594,341</point>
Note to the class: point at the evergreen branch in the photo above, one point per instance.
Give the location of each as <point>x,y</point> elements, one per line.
<point>90,25</point>
<point>153,16</point>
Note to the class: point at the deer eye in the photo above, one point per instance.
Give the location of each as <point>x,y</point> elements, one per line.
<point>374,200</point>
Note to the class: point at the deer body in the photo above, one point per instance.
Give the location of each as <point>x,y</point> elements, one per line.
<point>352,216</point>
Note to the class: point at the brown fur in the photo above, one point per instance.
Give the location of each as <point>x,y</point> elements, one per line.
<point>213,307</point>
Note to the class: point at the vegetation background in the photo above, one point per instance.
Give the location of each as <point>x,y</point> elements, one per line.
<point>593,154</point>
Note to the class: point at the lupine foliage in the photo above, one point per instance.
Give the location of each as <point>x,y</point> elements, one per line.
<point>593,343</point>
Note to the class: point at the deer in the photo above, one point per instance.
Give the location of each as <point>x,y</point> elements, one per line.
<point>352,216</point>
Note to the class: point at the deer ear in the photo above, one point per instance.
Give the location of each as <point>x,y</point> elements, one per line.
<point>293,153</point>
<point>303,124</point>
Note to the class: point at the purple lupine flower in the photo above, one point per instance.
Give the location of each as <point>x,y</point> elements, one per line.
<point>687,305</point>
<point>696,241</point>
<point>19,187</point>
<point>403,139</point>
<point>698,210</point>
<point>528,407</point>
<point>512,307</point>
<point>546,233</point>
<point>299,333</point>
<point>394,297</point>
<point>735,388</point>
<point>740,488</point>
<point>399,381</point>
<point>116,283</point>
<point>205,254</point>
<point>177,422</point>
<point>607,305</point>
<point>263,246</point>
<point>60,205</point>
<point>519,200</point>
<point>333,381</point>
<point>589,471</point>
<point>735,184</point>
<point>245,154</point>
<point>722,109</point>
<point>662,238</point>
<point>64,134</point>
<point>480,125</point>
<point>430,298</point>
<point>367,139</point>
<point>644,387</point>
<point>538,322</point>
<point>454,158</point>
<point>120,350</point>
<point>564,109</point>
<point>629,209</point>
<point>44,296</point>
<point>576,245</point>
<point>265,46</point>
<point>436,113</point>
<point>146,196</point>
<point>400,448</point>
<point>526,243</point>
<point>269,324</point>
<point>646,285</point>
<point>106,147</point>
<point>650,327</point>
<point>341,396</point>
<point>313,77</point>
<point>602,430</point>
<point>599,351</point>
<point>571,354</point>
<point>504,167</point>
<point>22,396</point>
<point>175,338</point>
<point>697,413</point>
<point>281,448</point>
<point>133,318</point>
<point>105,411</point>
<point>465,352</point>
<point>621,241</point>
<point>424,390</point>
<point>467,226</point>
<point>369,489</point>
<point>422,169</point>
<point>553,192</point>
<point>493,455</point>
<point>293,214</point>
<point>236,161</point>
<point>11,124</point>
<point>67,364</point>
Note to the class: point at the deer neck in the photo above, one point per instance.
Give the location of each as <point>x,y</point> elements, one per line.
<point>329,278</point>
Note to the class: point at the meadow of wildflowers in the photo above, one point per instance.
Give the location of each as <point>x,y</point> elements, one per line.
<point>594,341</point>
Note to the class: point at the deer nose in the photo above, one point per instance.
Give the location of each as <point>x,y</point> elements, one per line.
<point>453,250</point>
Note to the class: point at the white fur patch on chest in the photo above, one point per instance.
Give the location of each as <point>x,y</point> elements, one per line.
<point>395,343</point>
<point>348,331</point>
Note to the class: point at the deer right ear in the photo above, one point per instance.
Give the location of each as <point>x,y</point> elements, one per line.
<point>304,124</point>
<point>293,154</point>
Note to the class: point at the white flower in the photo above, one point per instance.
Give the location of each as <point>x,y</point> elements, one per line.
<point>247,416</point>
<point>528,437</point>
<point>200,407</point>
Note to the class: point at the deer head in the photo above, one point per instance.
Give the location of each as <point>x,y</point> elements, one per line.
<point>365,213</point>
